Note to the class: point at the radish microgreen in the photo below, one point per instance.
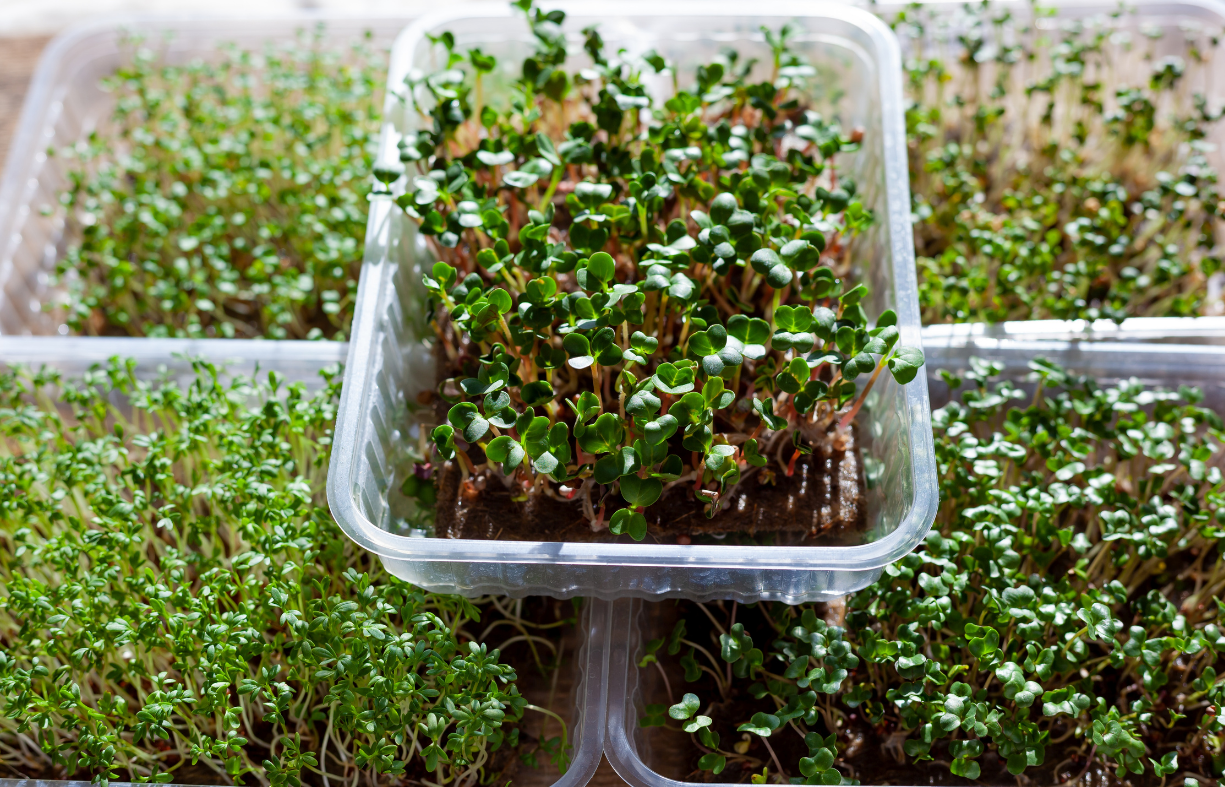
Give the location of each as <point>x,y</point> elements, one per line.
<point>682,265</point>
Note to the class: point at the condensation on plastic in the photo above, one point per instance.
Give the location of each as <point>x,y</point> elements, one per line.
<point>586,728</point>
<point>66,102</point>
<point>389,360</point>
<point>631,750</point>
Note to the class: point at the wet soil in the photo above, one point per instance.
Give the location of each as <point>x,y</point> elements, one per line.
<point>822,497</point>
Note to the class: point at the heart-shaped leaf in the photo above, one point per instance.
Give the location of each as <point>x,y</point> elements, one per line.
<point>640,492</point>
<point>644,344</point>
<point>535,435</point>
<point>661,429</point>
<point>792,319</point>
<point>628,522</point>
<point>672,379</point>
<point>749,336</point>
<point>491,159</point>
<point>602,436</point>
<point>536,393</point>
<point>466,418</point>
<point>592,195</point>
<point>579,349</point>
<point>904,363</point>
<point>642,404</point>
<point>505,450</point>
<point>602,266</point>
<point>763,724</point>
<point>520,179</point>
<point>617,464</point>
<point>689,705</point>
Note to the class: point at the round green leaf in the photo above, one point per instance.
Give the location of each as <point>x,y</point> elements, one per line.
<point>505,450</point>
<point>602,266</point>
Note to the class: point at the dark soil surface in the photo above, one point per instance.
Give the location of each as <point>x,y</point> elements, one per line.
<point>822,497</point>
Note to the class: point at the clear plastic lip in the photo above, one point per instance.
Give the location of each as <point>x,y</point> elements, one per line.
<point>357,457</point>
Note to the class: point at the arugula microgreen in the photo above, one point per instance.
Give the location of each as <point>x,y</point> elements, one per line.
<point>1062,172</point>
<point>176,593</point>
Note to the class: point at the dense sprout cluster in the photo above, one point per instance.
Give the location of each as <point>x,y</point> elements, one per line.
<point>225,199</point>
<point>1063,615</point>
<point>178,605</point>
<point>631,294</point>
<point>637,293</point>
<point>1061,167</point>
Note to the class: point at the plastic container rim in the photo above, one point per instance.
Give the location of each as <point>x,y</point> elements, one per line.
<point>865,557</point>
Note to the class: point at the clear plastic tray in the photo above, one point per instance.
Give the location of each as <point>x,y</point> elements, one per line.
<point>1154,364</point>
<point>586,713</point>
<point>65,103</point>
<point>1171,18</point>
<point>389,361</point>
<point>631,750</point>
<point>301,361</point>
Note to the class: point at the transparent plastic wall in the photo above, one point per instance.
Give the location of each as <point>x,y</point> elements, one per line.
<point>389,361</point>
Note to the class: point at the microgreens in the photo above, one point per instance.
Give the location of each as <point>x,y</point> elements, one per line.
<point>225,199</point>
<point>175,594</point>
<point>1064,613</point>
<point>635,293</point>
<point>1062,171</point>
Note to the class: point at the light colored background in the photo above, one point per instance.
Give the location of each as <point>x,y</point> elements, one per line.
<point>45,17</point>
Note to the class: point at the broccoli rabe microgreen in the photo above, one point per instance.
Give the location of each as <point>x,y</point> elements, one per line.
<point>632,292</point>
<point>1063,620</point>
<point>176,597</point>
<point>1061,167</point>
<point>224,199</point>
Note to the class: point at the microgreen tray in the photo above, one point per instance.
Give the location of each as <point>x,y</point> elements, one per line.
<point>1170,330</point>
<point>66,102</point>
<point>984,175</point>
<point>642,755</point>
<point>390,364</point>
<point>580,686</point>
<point>585,713</point>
